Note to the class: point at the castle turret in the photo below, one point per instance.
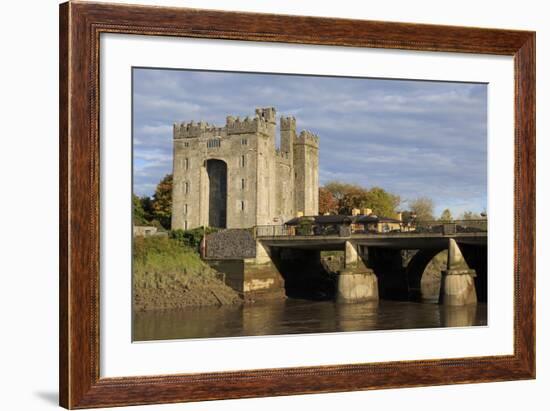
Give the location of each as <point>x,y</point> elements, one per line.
<point>306,169</point>
<point>269,116</point>
<point>288,135</point>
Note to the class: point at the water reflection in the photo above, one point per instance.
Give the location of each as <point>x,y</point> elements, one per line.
<point>300,317</point>
<point>453,316</point>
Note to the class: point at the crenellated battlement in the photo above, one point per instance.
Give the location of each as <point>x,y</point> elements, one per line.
<point>309,138</point>
<point>260,123</point>
<point>256,124</point>
<point>192,129</point>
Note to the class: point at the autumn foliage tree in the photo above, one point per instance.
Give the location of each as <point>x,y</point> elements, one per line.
<point>354,197</point>
<point>339,189</point>
<point>327,202</point>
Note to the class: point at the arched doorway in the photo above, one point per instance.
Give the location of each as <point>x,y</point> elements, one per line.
<point>217,193</point>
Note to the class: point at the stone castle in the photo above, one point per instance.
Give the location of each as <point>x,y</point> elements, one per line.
<point>235,176</point>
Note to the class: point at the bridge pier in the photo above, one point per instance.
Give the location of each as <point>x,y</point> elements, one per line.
<point>356,282</point>
<point>457,281</point>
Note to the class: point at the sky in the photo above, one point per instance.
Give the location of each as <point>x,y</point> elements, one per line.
<point>412,138</point>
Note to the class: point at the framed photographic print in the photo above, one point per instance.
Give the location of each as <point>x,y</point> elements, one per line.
<point>250,203</point>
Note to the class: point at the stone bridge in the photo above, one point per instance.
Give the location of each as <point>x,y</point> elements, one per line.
<point>376,265</point>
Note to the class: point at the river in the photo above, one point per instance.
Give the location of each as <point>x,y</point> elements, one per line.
<point>293,316</point>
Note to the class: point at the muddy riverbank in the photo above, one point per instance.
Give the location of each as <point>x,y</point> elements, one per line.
<point>170,276</point>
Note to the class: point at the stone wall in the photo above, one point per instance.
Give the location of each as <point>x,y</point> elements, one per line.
<point>144,231</point>
<point>233,252</point>
<point>230,244</point>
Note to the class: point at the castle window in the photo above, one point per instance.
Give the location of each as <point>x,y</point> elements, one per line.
<point>244,141</point>
<point>242,161</point>
<point>213,143</point>
<point>242,184</point>
<point>242,205</point>
<point>185,225</point>
<point>186,144</point>
<point>186,162</point>
<point>185,209</point>
<point>186,190</point>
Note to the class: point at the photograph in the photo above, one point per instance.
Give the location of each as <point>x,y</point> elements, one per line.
<point>278,204</point>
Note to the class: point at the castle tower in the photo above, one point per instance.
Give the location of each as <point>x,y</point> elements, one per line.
<point>285,170</point>
<point>266,193</point>
<point>288,135</point>
<point>306,169</point>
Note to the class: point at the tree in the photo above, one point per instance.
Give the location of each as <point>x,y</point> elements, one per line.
<point>382,203</point>
<point>446,215</point>
<point>162,201</point>
<point>352,197</point>
<point>147,205</point>
<point>423,207</point>
<point>327,202</point>
<point>339,189</point>
<point>470,215</point>
<point>138,214</point>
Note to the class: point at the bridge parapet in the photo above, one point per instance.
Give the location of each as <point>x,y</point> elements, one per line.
<point>451,227</point>
<point>421,228</point>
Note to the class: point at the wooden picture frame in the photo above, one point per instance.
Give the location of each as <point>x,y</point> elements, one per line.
<point>80,27</point>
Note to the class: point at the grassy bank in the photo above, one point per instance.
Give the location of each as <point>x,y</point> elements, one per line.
<point>169,275</point>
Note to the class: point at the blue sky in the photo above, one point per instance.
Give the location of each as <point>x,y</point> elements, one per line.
<point>412,138</point>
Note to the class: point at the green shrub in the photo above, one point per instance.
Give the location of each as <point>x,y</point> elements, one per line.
<point>191,238</point>
<point>304,227</point>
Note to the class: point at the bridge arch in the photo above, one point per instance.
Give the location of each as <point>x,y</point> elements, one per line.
<point>416,267</point>
<point>476,258</point>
